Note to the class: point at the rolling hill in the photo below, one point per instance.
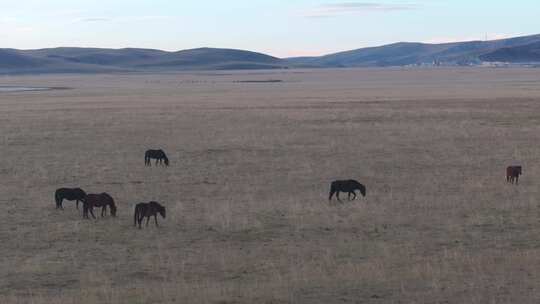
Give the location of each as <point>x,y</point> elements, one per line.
<point>213,59</point>
<point>406,53</point>
<point>529,53</point>
<point>97,60</point>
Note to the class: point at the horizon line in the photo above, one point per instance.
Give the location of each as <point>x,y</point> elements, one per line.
<point>268,53</point>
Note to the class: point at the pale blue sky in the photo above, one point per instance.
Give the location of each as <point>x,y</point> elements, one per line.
<point>277,27</point>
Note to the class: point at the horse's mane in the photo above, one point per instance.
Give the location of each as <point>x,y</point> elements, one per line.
<point>355,182</point>
<point>161,210</point>
<point>158,207</point>
<point>361,187</point>
<point>107,195</point>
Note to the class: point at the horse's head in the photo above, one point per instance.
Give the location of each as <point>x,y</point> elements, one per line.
<point>113,210</point>
<point>166,159</point>
<point>362,189</point>
<point>162,211</point>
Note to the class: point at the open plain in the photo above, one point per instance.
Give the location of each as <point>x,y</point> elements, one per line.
<point>252,156</point>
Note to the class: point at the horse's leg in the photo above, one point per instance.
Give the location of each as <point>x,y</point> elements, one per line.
<point>349,196</point>
<point>92,212</point>
<point>139,219</point>
<point>103,209</point>
<point>337,195</point>
<point>85,211</point>
<point>77,202</point>
<point>517,179</point>
<point>155,218</point>
<point>354,195</point>
<point>147,220</point>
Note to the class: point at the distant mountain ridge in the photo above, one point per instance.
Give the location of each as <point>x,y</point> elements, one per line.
<point>98,60</point>
<point>518,54</point>
<point>95,60</point>
<point>407,53</point>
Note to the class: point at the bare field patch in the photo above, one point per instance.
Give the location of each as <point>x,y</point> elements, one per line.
<point>248,217</point>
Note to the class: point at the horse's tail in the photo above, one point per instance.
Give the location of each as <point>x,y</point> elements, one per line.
<point>57,198</point>
<point>332,191</point>
<point>136,215</point>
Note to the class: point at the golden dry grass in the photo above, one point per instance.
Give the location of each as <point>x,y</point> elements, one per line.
<point>248,217</point>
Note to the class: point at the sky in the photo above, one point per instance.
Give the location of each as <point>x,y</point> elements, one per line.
<point>283,28</point>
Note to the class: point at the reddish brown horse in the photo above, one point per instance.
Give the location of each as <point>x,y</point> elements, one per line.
<point>512,174</point>
<point>98,200</point>
<point>147,210</point>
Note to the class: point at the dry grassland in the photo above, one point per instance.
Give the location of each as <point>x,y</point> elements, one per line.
<point>248,218</point>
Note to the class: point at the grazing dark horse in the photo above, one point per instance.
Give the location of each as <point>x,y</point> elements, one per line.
<point>512,174</point>
<point>70,194</point>
<point>147,210</point>
<point>98,200</point>
<point>158,155</point>
<point>350,186</point>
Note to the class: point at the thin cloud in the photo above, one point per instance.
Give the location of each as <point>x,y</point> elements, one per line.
<point>337,9</point>
<point>150,18</point>
<point>94,20</point>
<point>12,26</point>
<point>7,20</point>
<point>123,19</point>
